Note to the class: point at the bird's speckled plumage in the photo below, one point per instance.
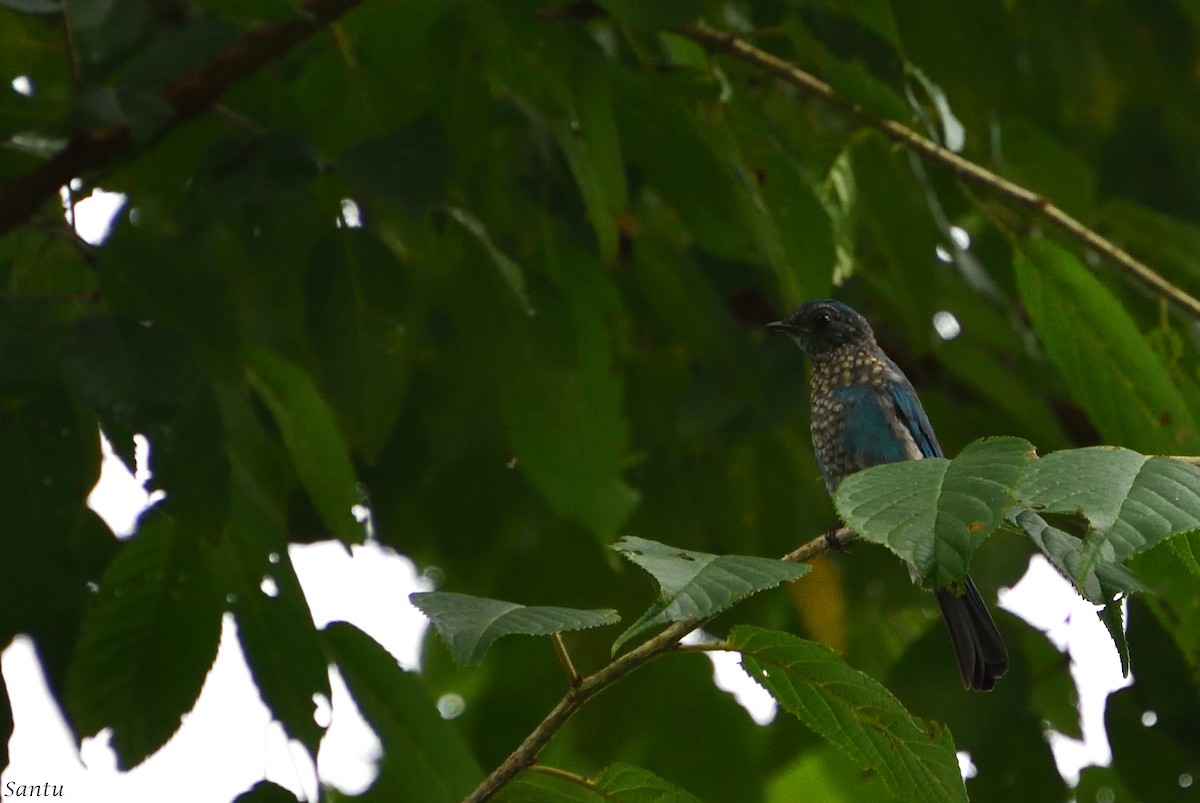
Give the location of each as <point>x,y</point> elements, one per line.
<point>864,413</point>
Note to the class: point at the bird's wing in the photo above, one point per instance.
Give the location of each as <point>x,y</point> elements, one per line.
<point>873,431</point>
<point>912,416</point>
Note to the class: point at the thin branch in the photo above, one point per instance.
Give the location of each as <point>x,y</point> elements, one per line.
<point>188,95</point>
<point>718,42</point>
<point>525,756</point>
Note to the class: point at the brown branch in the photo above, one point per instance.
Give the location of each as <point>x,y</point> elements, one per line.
<point>718,42</point>
<point>188,95</point>
<point>525,756</point>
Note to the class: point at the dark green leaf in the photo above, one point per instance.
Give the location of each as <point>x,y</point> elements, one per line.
<point>143,113</point>
<point>470,624</point>
<point>312,439</point>
<point>428,761</point>
<point>934,513</point>
<point>696,585</point>
<point>148,640</point>
<point>569,435</point>
<point>266,792</point>
<point>916,759</point>
<point>33,7</point>
<point>1112,372</point>
<point>275,627</point>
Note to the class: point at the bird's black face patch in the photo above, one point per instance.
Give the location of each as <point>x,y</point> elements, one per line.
<point>820,326</point>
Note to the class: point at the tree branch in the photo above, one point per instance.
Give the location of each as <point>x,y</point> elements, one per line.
<point>526,754</point>
<point>188,95</point>
<point>719,42</point>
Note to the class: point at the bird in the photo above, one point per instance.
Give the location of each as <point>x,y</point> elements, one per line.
<point>864,412</point>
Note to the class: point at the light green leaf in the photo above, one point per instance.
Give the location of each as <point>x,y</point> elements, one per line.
<point>427,759</point>
<point>696,585</point>
<point>311,436</point>
<point>1131,501</point>
<point>853,712</point>
<point>934,513</point>
<point>147,641</point>
<point>1112,372</point>
<point>470,624</point>
<point>1099,584</point>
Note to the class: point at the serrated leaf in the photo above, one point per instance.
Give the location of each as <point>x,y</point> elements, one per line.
<point>853,712</point>
<point>1100,585</point>
<point>1131,501</point>
<point>697,585</point>
<point>426,758</point>
<point>1096,346</point>
<point>626,783</point>
<point>1186,547</point>
<point>147,641</point>
<point>1112,615</point>
<point>934,513</point>
<point>470,624</point>
<point>310,434</point>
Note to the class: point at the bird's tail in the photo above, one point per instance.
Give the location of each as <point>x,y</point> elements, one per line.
<point>978,647</point>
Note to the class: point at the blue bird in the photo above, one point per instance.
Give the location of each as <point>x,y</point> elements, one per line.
<point>864,413</point>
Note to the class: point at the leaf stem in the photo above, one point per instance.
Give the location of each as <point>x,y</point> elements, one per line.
<point>525,756</point>
<point>719,42</point>
<point>564,657</point>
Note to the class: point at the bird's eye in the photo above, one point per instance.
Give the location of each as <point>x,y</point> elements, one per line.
<point>822,320</point>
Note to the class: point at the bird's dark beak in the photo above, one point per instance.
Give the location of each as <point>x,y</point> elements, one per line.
<point>784,327</point>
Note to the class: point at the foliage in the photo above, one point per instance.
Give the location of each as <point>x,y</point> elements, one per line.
<point>486,282</point>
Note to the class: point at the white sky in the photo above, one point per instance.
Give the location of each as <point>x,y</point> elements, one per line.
<point>370,589</point>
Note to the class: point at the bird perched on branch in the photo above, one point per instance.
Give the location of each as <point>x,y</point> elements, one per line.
<point>865,412</point>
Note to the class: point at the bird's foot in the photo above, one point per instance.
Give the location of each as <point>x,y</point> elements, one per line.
<point>831,537</point>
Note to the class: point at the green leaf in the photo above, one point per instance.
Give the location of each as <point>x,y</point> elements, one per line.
<point>143,113</point>
<point>147,641</point>
<point>311,436</point>
<point>853,712</point>
<point>934,513</point>
<point>1100,584</point>
<point>362,342</point>
<point>274,625</point>
<point>470,624</point>
<point>622,783</point>
<point>569,436</point>
<point>1131,501</point>
<point>588,138</point>
<point>626,783</point>
<point>266,792</point>
<point>653,16</point>
<point>1186,547</point>
<point>510,271</point>
<point>1112,615</point>
<point>696,585</point>
<point>427,758</point>
<point>1112,372</point>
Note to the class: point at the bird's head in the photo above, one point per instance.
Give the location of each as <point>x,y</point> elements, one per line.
<point>823,326</point>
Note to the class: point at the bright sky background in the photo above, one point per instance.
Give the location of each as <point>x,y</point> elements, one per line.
<point>370,588</point>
